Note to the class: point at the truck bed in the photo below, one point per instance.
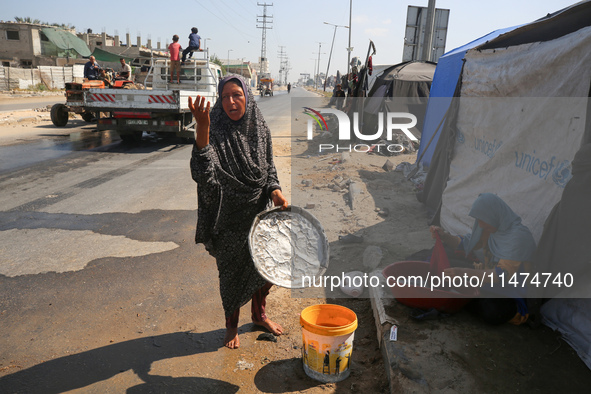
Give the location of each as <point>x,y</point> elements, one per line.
<point>138,99</point>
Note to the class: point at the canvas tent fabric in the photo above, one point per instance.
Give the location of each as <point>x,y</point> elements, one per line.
<point>521,117</point>
<point>408,79</point>
<point>520,71</point>
<point>65,40</point>
<point>506,141</point>
<point>442,90</point>
<point>450,65</point>
<point>401,86</point>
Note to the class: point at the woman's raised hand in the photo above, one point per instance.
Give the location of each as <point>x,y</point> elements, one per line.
<point>200,112</point>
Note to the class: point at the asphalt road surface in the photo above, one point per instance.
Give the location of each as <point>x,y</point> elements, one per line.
<point>102,287</point>
<point>19,103</point>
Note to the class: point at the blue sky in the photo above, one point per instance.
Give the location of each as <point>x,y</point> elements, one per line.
<point>298,26</point>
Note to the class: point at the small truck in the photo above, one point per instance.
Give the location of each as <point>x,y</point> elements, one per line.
<point>162,107</point>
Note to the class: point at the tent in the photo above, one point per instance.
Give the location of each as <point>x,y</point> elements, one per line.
<point>519,127</point>
<point>442,90</point>
<point>408,79</point>
<point>404,85</point>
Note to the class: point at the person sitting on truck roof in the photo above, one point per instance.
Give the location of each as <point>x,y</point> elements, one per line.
<point>125,71</point>
<point>91,69</point>
<point>194,45</point>
<point>232,163</point>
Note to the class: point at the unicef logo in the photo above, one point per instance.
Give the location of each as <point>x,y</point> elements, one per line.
<point>562,174</point>
<point>460,137</point>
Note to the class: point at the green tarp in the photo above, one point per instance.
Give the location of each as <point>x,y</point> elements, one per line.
<point>103,56</point>
<point>64,40</point>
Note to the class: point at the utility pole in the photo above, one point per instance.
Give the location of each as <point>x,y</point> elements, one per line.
<point>318,73</point>
<point>286,69</point>
<point>349,49</point>
<point>266,24</point>
<point>332,45</point>
<point>282,57</point>
<point>429,29</point>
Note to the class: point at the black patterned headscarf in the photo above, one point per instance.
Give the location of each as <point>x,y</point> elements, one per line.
<point>243,146</point>
<point>242,156</point>
<point>236,78</point>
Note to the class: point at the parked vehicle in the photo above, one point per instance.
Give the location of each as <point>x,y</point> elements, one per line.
<point>75,99</point>
<point>160,107</point>
<point>266,86</point>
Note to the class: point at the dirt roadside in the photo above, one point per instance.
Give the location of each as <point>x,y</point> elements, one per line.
<point>14,123</point>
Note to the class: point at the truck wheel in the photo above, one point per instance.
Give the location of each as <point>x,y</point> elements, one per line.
<point>59,115</point>
<point>87,116</point>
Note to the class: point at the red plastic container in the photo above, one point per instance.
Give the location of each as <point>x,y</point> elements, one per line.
<point>423,297</point>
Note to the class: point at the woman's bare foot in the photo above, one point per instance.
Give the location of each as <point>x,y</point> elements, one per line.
<point>273,327</point>
<point>231,340</point>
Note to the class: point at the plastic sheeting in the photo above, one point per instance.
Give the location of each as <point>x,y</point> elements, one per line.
<point>444,84</point>
<point>518,142</point>
<point>64,40</point>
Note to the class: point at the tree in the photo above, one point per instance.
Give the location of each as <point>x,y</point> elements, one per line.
<point>216,60</point>
<point>28,19</point>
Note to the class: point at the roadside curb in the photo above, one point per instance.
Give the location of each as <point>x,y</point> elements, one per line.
<point>393,356</point>
<point>383,325</point>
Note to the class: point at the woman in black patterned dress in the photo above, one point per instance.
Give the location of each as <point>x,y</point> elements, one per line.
<point>232,163</point>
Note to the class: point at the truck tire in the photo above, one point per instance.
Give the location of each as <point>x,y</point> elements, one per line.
<point>59,115</point>
<point>87,116</point>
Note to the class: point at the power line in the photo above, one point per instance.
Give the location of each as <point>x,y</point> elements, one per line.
<point>264,27</point>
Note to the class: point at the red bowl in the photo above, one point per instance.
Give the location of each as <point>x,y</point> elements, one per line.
<point>441,299</point>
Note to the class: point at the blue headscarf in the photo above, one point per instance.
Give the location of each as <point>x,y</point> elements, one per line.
<point>511,241</point>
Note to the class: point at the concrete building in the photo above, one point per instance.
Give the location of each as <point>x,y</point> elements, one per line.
<point>28,45</point>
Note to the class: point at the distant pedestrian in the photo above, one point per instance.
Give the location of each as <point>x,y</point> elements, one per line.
<point>175,60</point>
<point>339,96</point>
<point>288,88</point>
<point>194,44</point>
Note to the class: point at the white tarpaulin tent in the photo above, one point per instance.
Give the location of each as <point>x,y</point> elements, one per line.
<point>520,118</point>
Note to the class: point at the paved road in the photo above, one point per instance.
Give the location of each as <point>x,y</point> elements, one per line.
<point>19,103</point>
<point>100,280</point>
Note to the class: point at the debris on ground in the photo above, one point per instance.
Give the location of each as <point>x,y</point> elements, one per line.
<point>267,336</point>
<point>242,365</point>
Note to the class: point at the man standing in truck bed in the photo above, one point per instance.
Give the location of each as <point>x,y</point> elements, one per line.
<point>194,44</point>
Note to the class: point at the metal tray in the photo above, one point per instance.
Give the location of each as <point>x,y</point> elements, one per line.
<point>272,250</point>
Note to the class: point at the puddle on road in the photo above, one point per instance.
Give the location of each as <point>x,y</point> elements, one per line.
<point>55,146</point>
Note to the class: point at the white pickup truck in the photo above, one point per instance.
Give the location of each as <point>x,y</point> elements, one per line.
<point>162,107</point>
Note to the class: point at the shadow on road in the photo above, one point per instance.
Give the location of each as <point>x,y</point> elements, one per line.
<point>268,378</point>
<point>84,369</point>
